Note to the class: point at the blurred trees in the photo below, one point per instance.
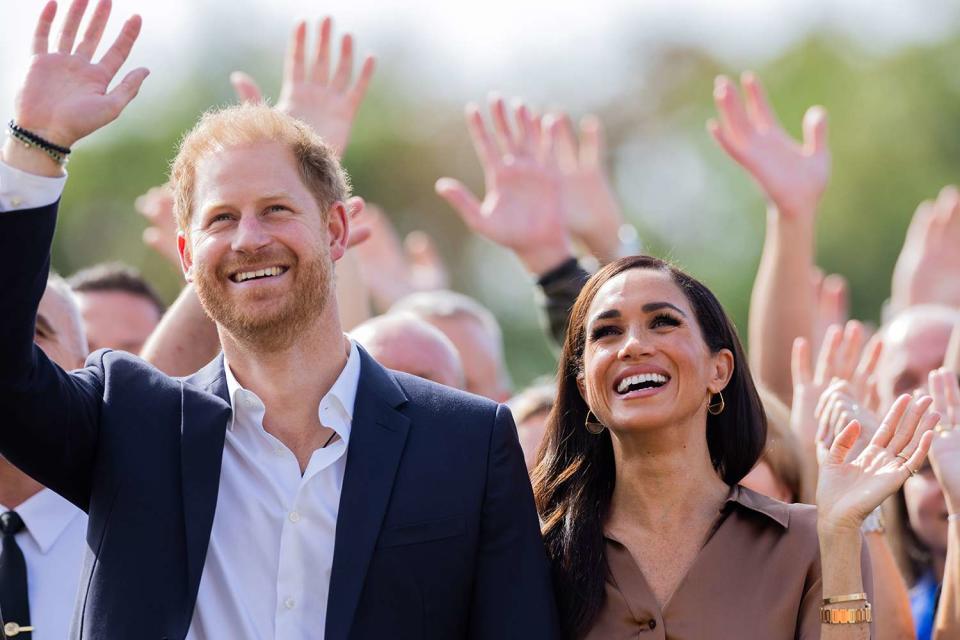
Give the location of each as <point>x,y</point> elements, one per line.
<point>893,133</point>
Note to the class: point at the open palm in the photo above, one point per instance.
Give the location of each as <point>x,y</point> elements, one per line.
<point>309,93</point>
<point>521,209</point>
<point>792,175</point>
<point>848,490</point>
<point>66,96</point>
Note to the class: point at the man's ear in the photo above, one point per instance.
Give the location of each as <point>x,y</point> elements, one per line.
<point>186,260</point>
<point>723,365</point>
<point>338,230</point>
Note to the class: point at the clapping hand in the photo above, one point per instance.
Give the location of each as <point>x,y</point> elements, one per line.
<point>522,208</point>
<point>309,93</point>
<point>850,487</point>
<point>66,96</point>
<point>793,176</point>
<point>945,450</point>
<point>926,271</point>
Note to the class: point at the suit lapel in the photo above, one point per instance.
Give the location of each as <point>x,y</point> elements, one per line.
<point>206,410</point>
<point>377,438</point>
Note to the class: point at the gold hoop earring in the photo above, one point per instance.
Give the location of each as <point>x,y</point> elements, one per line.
<point>593,426</point>
<point>716,408</point>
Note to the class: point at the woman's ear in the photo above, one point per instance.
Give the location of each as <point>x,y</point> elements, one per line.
<point>722,370</point>
<point>581,387</point>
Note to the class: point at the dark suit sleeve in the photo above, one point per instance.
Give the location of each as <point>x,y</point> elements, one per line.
<point>512,595</point>
<point>49,417</point>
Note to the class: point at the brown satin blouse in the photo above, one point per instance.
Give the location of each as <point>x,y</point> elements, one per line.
<point>757,577</point>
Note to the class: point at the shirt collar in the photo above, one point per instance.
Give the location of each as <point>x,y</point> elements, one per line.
<point>341,396</point>
<point>46,516</point>
<point>777,511</point>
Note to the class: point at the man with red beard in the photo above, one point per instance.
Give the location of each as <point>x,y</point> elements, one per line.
<point>293,488</point>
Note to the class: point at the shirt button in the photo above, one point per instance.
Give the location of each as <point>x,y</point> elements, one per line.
<point>294,517</point>
<point>278,451</point>
<point>16,201</point>
<point>289,603</point>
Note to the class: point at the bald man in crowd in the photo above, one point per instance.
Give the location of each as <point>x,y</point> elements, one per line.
<point>473,330</point>
<point>46,532</point>
<point>120,309</point>
<point>404,342</point>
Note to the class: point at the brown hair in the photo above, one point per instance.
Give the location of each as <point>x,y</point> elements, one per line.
<point>245,124</point>
<point>574,477</point>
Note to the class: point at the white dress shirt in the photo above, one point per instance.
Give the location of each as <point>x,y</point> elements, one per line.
<point>53,543</point>
<point>267,572</point>
<point>21,190</point>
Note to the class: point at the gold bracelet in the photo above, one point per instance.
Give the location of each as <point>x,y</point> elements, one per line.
<point>846,616</point>
<point>853,597</point>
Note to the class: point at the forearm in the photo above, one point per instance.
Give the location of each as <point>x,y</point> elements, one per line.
<point>891,605</point>
<point>186,338</point>
<point>353,298</point>
<point>781,305</point>
<point>947,624</point>
<point>842,575</point>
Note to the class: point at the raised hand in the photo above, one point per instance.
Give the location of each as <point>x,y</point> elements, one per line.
<point>928,269</point>
<point>792,175</point>
<point>393,268</point>
<point>309,93</point>
<point>945,450</point>
<point>156,205</point>
<point>849,487</point>
<point>839,358</point>
<point>66,96</point>
<point>589,205</point>
<point>522,208</point>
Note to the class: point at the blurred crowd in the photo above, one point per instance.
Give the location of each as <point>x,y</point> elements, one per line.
<point>548,201</point>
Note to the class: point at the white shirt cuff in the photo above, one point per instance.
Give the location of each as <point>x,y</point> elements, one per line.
<point>22,190</point>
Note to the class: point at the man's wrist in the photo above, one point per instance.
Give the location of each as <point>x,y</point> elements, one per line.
<point>30,160</point>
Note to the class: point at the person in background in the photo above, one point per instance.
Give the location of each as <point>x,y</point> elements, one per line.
<point>403,342</point>
<point>120,309</point>
<point>43,533</point>
<point>475,333</point>
<point>530,409</point>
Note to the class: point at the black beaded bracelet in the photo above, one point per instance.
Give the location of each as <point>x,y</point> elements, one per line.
<point>37,140</point>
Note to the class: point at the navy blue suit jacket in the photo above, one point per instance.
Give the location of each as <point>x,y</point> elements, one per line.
<point>437,536</point>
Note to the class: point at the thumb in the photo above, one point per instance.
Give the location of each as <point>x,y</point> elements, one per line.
<point>815,130</point>
<point>127,90</point>
<point>245,87</point>
<point>461,199</point>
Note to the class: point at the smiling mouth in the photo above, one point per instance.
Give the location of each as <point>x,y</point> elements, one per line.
<point>258,274</point>
<point>641,381</point>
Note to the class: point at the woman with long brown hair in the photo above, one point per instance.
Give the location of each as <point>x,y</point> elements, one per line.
<point>656,422</point>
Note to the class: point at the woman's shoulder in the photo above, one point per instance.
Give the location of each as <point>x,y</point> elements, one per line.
<point>798,520</point>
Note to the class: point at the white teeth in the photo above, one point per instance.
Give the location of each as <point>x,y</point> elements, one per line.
<point>640,379</point>
<point>248,275</point>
